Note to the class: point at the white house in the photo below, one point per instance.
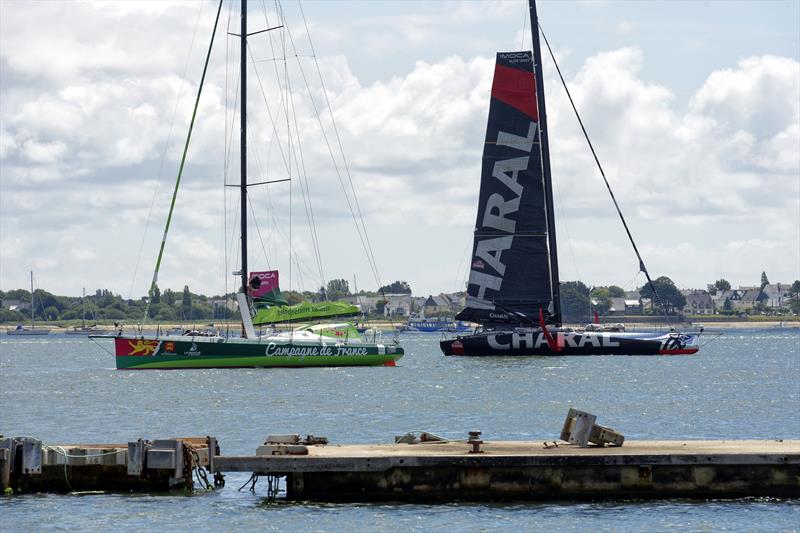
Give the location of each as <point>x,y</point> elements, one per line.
<point>397,305</point>
<point>777,295</point>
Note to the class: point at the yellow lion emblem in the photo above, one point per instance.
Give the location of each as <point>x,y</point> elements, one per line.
<point>143,347</point>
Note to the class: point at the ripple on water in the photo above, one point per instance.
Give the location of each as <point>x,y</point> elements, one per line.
<point>745,385</point>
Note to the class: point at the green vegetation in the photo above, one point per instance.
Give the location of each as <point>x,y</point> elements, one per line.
<point>721,284</point>
<point>670,301</point>
<point>105,307</point>
<point>168,305</point>
<point>574,301</point>
<point>337,289</point>
<point>398,287</point>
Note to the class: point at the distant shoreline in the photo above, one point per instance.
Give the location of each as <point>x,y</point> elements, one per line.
<point>385,325</point>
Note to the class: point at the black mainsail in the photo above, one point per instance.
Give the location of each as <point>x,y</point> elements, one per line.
<point>512,272</point>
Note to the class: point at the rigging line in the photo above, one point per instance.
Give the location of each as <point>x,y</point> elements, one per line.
<point>306,188</point>
<point>260,171</point>
<point>566,230</point>
<point>301,166</point>
<point>225,148</point>
<point>282,106</point>
<point>258,231</point>
<point>628,283</point>
<point>183,162</point>
<point>464,268</point>
<point>524,27</point>
<point>368,248</point>
<point>287,163</point>
<point>602,173</point>
<point>285,103</point>
<point>365,243</point>
<point>365,239</point>
<point>229,157</point>
<point>274,224</point>
<point>164,152</point>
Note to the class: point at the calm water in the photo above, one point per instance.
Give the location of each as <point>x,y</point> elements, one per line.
<point>63,389</point>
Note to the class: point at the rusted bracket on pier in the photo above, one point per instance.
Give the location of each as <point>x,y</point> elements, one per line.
<point>19,456</point>
<point>580,428</point>
<point>176,456</point>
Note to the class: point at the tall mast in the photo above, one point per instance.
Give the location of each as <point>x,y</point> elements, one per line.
<point>243,143</point>
<point>33,309</point>
<point>548,183</point>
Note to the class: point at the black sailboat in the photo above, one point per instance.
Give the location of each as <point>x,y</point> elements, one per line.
<point>513,288</point>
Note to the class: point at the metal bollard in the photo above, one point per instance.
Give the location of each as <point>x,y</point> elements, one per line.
<point>475,441</point>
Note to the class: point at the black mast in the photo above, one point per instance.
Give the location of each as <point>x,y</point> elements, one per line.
<point>548,184</point>
<point>243,144</point>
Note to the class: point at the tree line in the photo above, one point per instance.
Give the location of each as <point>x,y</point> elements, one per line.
<point>166,306</point>
<point>579,302</point>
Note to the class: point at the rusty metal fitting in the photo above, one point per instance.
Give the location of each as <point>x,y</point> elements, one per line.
<point>475,441</point>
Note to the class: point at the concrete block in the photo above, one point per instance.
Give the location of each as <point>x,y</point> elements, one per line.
<point>5,467</point>
<point>283,439</point>
<point>31,456</point>
<point>161,459</point>
<point>578,427</point>
<point>176,447</point>
<point>602,435</point>
<point>136,457</point>
<point>282,449</point>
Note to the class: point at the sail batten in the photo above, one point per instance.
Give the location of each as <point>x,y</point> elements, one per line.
<point>510,272</point>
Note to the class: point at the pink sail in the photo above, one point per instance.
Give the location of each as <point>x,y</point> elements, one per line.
<point>263,283</point>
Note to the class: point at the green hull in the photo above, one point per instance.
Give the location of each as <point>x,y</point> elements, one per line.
<point>134,353</point>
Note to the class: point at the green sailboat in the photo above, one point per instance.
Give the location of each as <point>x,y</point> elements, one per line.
<point>260,303</point>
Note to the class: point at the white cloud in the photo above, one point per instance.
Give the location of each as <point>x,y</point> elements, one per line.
<point>83,134</point>
<point>8,144</point>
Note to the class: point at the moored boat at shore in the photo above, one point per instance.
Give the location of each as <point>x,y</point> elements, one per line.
<point>435,324</point>
<point>32,330</point>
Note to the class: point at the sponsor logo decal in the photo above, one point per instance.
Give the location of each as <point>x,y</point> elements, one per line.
<point>142,347</point>
<point>192,351</point>
<point>169,347</point>
<point>676,342</point>
<point>516,57</point>
<point>313,351</point>
<point>529,340</point>
<point>499,216</point>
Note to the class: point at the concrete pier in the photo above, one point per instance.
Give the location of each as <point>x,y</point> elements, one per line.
<point>428,471</point>
<point>28,465</point>
<point>520,471</point>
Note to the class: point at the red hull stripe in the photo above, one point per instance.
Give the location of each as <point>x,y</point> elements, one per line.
<point>684,351</point>
<point>516,88</point>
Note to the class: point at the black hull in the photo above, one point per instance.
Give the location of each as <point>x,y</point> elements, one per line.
<point>508,343</point>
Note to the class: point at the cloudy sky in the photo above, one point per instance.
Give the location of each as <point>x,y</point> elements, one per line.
<point>693,107</point>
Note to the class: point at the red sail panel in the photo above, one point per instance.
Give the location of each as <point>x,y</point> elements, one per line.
<point>516,88</point>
